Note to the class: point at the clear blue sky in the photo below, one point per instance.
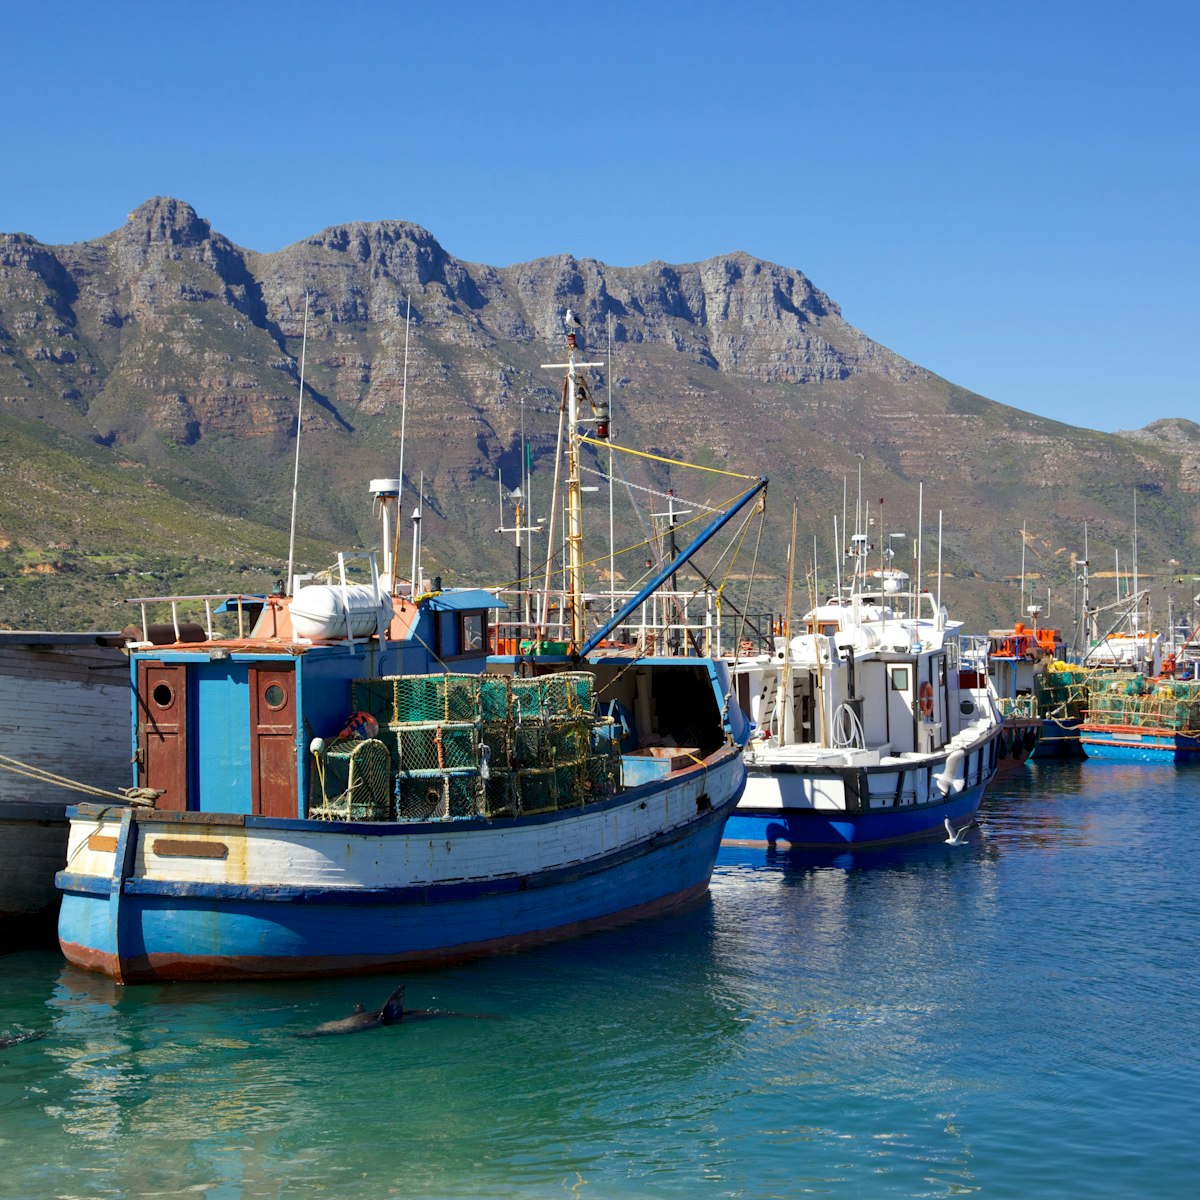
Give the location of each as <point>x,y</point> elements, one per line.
<point>1005,193</point>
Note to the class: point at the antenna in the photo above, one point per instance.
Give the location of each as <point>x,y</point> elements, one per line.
<point>939,563</point>
<point>837,549</point>
<point>416,551</point>
<point>1021,594</point>
<point>296,472</point>
<point>519,526</point>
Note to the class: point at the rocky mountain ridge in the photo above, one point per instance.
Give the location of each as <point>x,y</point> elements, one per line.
<point>168,351</point>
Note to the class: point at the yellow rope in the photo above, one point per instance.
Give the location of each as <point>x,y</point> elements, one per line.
<point>674,462</point>
<point>591,562</point>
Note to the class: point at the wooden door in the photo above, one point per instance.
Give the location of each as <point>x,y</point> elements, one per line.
<point>162,732</point>
<point>273,741</point>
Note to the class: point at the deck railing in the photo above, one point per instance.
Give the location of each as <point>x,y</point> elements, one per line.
<point>671,623</point>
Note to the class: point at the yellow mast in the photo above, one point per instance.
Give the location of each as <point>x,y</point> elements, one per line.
<point>573,383</point>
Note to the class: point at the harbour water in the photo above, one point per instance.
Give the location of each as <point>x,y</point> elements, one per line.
<point>1017,1016</point>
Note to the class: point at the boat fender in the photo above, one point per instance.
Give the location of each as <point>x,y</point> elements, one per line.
<point>163,634</point>
<point>359,725</point>
<point>950,779</point>
<point>926,699</point>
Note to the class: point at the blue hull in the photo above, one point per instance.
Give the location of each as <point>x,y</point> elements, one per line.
<point>806,828</point>
<point>1059,739</point>
<point>139,929</point>
<point>1147,747</point>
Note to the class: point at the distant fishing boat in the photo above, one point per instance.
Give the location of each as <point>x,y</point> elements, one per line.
<point>64,711</point>
<point>348,783</point>
<point>1017,661</point>
<point>1139,719</point>
<point>868,728</point>
<point>1061,691</point>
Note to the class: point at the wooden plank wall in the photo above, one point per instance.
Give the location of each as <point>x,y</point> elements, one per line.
<point>67,709</point>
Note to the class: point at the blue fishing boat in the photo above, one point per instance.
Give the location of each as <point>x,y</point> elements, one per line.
<point>348,783</point>
<point>1137,719</point>
<point>868,729</point>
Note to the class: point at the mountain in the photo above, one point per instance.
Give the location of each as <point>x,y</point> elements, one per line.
<point>148,395</point>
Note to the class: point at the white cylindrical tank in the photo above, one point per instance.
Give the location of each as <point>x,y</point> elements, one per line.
<point>319,611</point>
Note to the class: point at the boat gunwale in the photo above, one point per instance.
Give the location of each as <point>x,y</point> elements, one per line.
<point>446,891</point>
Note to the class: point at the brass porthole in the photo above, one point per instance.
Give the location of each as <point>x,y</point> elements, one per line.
<point>162,695</point>
<point>275,696</point>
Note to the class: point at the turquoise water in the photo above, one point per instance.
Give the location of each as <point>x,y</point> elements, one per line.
<point>1014,1017</point>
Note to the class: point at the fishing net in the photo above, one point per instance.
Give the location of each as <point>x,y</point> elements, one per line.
<point>569,780</point>
<point>495,738</point>
<point>1062,694</point>
<point>1136,703</point>
<point>600,774</point>
<point>438,795</point>
<point>468,745</point>
<point>493,697</point>
<point>568,694</point>
<point>353,782</point>
<point>500,794</point>
<point>567,741</point>
<point>374,696</point>
<point>429,698</point>
<point>536,790</point>
<point>525,699</point>
<point>435,747</point>
<point>528,744</point>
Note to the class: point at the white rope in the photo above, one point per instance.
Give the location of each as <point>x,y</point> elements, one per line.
<point>41,775</point>
<point>847,729</point>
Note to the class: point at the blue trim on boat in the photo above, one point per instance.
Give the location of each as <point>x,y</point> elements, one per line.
<point>814,828</point>
<point>428,893</point>
<point>1149,746</point>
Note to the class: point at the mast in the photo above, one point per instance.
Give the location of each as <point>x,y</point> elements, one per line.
<point>787,725</point>
<point>296,472</point>
<point>403,423</point>
<point>612,541</point>
<point>1088,617</point>
<point>920,549</point>
<point>576,391</point>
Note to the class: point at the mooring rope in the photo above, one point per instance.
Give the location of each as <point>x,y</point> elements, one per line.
<point>41,775</point>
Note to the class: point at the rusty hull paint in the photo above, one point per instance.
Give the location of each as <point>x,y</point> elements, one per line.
<point>170,968</point>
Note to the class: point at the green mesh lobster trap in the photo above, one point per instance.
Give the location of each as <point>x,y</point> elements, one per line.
<point>352,782</point>
<point>438,795</point>
<point>437,746</point>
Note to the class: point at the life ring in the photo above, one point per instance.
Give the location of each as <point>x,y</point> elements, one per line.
<point>925,699</point>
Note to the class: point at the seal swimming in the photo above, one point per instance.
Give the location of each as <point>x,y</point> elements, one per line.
<point>17,1039</point>
<point>392,1013</point>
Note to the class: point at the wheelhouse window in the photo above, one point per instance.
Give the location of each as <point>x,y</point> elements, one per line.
<point>471,632</point>
<point>899,679</point>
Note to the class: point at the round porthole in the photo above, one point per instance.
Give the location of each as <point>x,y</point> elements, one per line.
<point>966,707</point>
<point>162,695</point>
<point>275,696</point>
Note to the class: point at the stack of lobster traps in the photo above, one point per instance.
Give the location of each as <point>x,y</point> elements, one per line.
<point>462,746</point>
<point>1165,705</point>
